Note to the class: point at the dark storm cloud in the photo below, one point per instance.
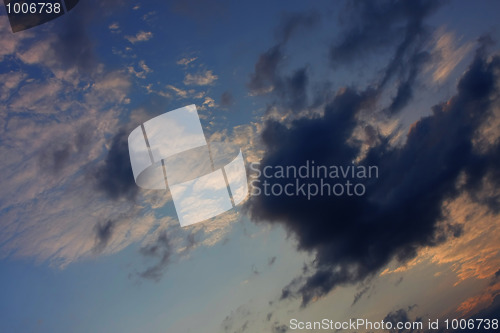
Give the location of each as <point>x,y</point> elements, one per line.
<point>404,92</point>
<point>160,250</point>
<point>376,25</point>
<point>103,233</point>
<point>383,26</point>
<point>353,237</point>
<point>114,177</point>
<point>394,27</point>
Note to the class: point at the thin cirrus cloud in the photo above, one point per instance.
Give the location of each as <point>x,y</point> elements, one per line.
<point>449,54</point>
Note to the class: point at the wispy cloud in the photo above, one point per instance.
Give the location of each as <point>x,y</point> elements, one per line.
<point>143,71</point>
<point>141,36</point>
<point>114,27</point>
<point>11,81</point>
<point>186,61</point>
<point>178,91</point>
<point>203,78</point>
<point>447,53</point>
<point>10,42</point>
<point>209,102</point>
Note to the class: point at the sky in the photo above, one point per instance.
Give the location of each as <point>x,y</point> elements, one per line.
<point>408,87</point>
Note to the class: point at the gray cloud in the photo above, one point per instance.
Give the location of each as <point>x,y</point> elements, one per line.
<point>54,158</point>
<point>354,237</point>
<point>114,176</point>
<point>162,251</point>
<point>382,26</point>
<point>265,75</point>
<point>360,294</point>
<point>103,233</point>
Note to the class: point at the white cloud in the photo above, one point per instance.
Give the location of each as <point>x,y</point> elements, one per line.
<point>42,53</point>
<point>179,92</point>
<point>141,73</point>
<point>449,54</point>
<point>111,87</point>
<point>37,96</point>
<point>186,61</point>
<point>144,67</point>
<point>141,36</point>
<point>200,79</point>
<point>114,26</point>
<point>209,102</point>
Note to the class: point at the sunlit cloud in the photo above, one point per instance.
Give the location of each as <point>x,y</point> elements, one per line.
<point>448,53</point>
<point>186,61</point>
<point>142,72</point>
<point>203,78</point>
<point>114,27</point>
<point>141,36</point>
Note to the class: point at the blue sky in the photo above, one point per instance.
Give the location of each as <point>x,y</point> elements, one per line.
<point>83,249</point>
